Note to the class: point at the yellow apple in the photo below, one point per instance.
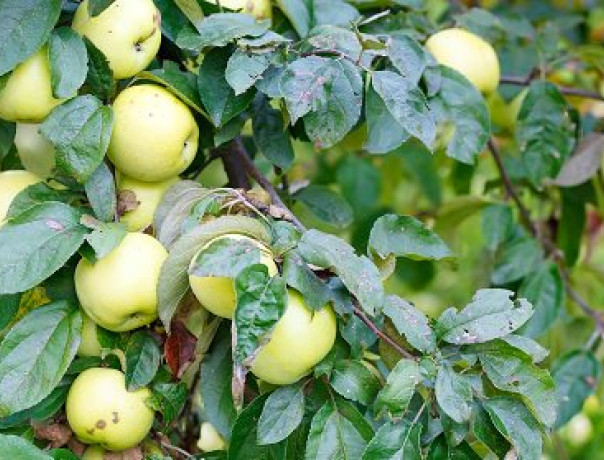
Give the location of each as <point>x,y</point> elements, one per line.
<point>469,54</point>
<point>260,9</point>
<point>11,183</point>
<point>154,134</point>
<point>36,153</point>
<point>94,453</point>
<point>148,195</point>
<point>209,439</point>
<point>300,340</point>
<point>119,291</point>
<point>217,294</point>
<point>128,33</point>
<point>101,411</point>
<point>89,346</point>
<point>27,95</point>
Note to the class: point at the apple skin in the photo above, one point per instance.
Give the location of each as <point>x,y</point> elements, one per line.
<point>300,340</point>
<point>11,183</point>
<point>154,135</point>
<point>217,294</point>
<point>119,291</point>
<point>94,453</point>
<point>469,54</point>
<point>101,411</point>
<point>36,153</point>
<point>27,95</point>
<point>128,33</point>
<point>89,346</point>
<point>148,195</point>
<point>260,9</point>
<point>209,439</point>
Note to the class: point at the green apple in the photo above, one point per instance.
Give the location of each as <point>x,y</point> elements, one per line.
<point>148,195</point>
<point>94,453</point>
<point>469,54</point>
<point>36,153</point>
<point>209,439</point>
<point>217,294</point>
<point>260,9</point>
<point>27,95</point>
<point>154,134</point>
<point>301,338</point>
<point>89,346</point>
<point>128,33</point>
<point>100,410</point>
<point>119,291</point>
<point>11,183</point>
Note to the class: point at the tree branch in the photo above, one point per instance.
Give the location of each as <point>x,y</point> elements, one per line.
<point>525,81</point>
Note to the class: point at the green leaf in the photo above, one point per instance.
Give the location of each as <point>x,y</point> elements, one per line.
<point>26,25</point>
<point>101,193</point>
<point>360,182</point>
<point>105,238</point>
<point>36,194</point>
<point>453,393</point>
<point>270,135</point>
<point>497,225</point>
<point>485,431</point>
<point>68,62</point>
<point>18,448</point>
<point>516,423</point>
<point>9,306</point>
<point>517,259</point>
<point>35,355</point>
<point>334,39</point>
<point>408,56</point>
<point>406,103</point>
<point>327,205</point>
<point>221,28</point>
<point>261,301</point>
<point>384,133</point>
<point>490,315</point>
<point>411,323</point>
<point>142,360</point>
<point>226,258</point>
<point>298,275</point>
<point>528,346</point>
<point>405,236</point>
<point>509,369</point>
<point>219,99</point>
<point>440,450</point>
<point>41,239</point>
<point>354,381</point>
<point>395,441</point>
<point>192,10</point>
<point>328,93</point>
<point>576,375</point>
<point>296,11</point>
<point>460,104</point>
<point>80,130</point>
<point>169,399</point>
<point>7,135</point>
<point>244,437</point>
<point>96,7</point>
<point>99,78</point>
<point>334,12</point>
<point>282,414</point>
<point>399,388</point>
<point>358,273</point>
<point>584,162</point>
<point>245,68</point>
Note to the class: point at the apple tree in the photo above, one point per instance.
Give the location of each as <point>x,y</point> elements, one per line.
<point>319,229</point>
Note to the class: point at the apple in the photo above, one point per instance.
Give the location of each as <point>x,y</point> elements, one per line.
<point>209,439</point>
<point>11,183</point>
<point>148,195</point>
<point>217,294</point>
<point>260,9</point>
<point>119,291</point>
<point>101,411</point>
<point>154,134</point>
<point>301,338</point>
<point>128,33</point>
<point>469,54</point>
<point>94,453</point>
<point>27,96</point>
<point>89,346</point>
<point>36,153</point>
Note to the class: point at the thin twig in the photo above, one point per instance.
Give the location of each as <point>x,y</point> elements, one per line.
<point>171,447</point>
<point>523,81</point>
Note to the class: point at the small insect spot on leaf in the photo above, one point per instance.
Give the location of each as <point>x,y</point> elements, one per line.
<point>54,225</point>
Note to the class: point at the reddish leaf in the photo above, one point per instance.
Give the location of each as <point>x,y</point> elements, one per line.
<point>179,348</point>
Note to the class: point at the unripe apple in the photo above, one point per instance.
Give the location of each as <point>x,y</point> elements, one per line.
<point>27,95</point>
<point>154,134</point>
<point>469,54</point>
<point>101,411</point>
<point>94,453</point>
<point>89,346</point>
<point>209,439</point>
<point>260,9</point>
<point>128,33</point>
<point>11,183</point>
<point>217,294</point>
<point>119,291</point>
<point>148,195</point>
<point>300,340</point>
<point>36,153</point>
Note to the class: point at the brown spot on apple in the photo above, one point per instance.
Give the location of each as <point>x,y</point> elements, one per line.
<point>101,424</point>
<point>116,417</point>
